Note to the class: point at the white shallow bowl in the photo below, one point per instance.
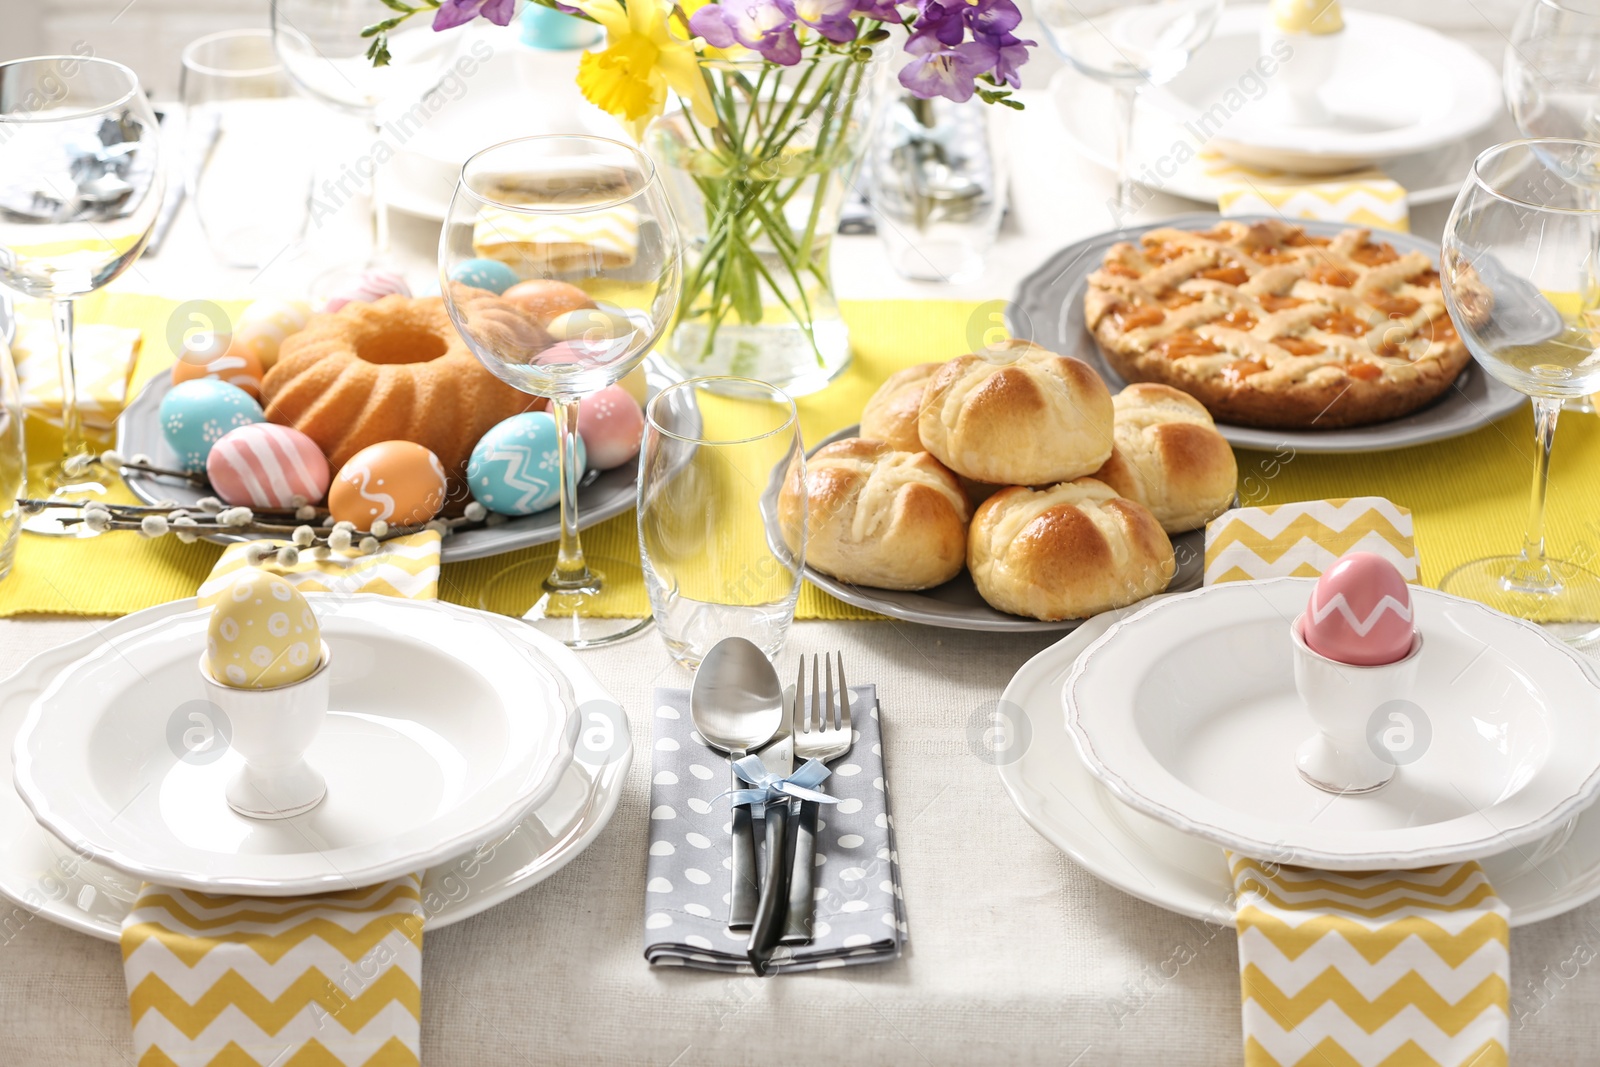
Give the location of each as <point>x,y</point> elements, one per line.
<point>444,729</point>
<point>1187,711</point>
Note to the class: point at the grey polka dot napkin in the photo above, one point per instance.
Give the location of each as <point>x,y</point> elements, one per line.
<point>860,912</point>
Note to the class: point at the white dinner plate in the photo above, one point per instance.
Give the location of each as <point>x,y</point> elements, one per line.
<point>39,873</point>
<point>444,730</point>
<point>1397,89</point>
<point>1187,711</point>
<point>1056,795</point>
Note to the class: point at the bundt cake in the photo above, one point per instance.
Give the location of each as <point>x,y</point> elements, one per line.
<point>395,369</point>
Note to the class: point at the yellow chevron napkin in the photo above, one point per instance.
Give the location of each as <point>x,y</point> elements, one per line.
<point>532,244</point>
<point>1362,198</point>
<point>1390,968</point>
<point>408,567</point>
<point>103,355</point>
<point>1301,540</point>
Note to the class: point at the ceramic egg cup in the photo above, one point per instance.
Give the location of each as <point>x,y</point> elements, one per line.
<point>272,729</point>
<point>1312,60</point>
<point>1341,698</point>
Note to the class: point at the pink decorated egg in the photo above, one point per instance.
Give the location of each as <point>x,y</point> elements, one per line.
<point>366,287</point>
<point>267,466</point>
<point>611,425</point>
<point>397,481</point>
<point>236,366</point>
<point>1360,612</point>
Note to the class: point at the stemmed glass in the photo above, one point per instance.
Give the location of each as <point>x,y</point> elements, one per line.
<point>80,187</point>
<point>1519,280</point>
<point>320,44</point>
<point>1130,45</point>
<point>532,201</point>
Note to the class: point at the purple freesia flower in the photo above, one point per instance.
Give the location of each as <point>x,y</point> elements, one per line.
<point>764,26</point>
<point>939,27</point>
<point>1010,53</point>
<point>453,13</point>
<point>949,73</point>
<point>992,16</point>
<point>831,18</point>
<point>878,10</point>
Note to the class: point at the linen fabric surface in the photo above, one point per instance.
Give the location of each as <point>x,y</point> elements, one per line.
<point>860,908</point>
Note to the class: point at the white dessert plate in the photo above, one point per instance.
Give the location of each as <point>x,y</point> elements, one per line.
<point>42,875</point>
<point>1397,89</point>
<point>956,605</point>
<point>444,730</point>
<point>1187,711</point>
<point>1149,860</point>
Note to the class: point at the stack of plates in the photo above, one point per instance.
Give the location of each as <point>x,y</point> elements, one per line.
<point>451,747</point>
<point>1158,737</point>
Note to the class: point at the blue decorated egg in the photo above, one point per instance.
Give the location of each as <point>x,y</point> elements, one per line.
<point>196,414</point>
<point>484,274</point>
<point>513,467</point>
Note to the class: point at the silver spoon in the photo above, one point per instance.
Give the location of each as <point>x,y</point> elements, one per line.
<point>736,704</point>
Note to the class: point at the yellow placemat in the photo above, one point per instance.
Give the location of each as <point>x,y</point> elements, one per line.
<point>1468,496</point>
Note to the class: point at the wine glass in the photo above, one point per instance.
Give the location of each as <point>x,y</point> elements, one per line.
<point>1519,282</point>
<point>584,222</point>
<point>80,187</point>
<point>1130,45</point>
<point>320,45</point>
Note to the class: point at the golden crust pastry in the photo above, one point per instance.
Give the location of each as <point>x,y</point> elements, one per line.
<point>1170,457</point>
<point>1066,552</point>
<point>892,413</point>
<point>877,516</point>
<point>1017,414</point>
<point>1267,326</point>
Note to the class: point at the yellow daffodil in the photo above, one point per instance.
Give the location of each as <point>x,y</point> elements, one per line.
<point>642,59</point>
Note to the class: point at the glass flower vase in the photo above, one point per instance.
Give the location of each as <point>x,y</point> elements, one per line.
<point>758,198</point>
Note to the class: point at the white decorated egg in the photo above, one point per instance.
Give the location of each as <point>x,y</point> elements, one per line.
<point>513,469</point>
<point>267,466</point>
<point>266,324</point>
<point>366,287</point>
<point>196,415</point>
<point>262,633</point>
<point>612,425</point>
<point>399,482</point>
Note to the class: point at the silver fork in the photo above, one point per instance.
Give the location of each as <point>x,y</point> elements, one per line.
<point>823,733</point>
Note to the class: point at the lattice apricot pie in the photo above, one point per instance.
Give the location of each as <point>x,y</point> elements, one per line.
<point>1269,326</point>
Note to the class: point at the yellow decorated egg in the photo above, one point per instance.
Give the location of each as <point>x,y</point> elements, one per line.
<point>594,325</point>
<point>265,324</point>
<point>263,634</point>
<point>397,481</point>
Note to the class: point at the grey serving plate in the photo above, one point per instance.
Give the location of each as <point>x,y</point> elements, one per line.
<point>1048,310</point>
<point>956,605</point>
<point>600,496</point>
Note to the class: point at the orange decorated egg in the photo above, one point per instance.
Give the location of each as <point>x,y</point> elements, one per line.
<point>236,366</point>
<point>545,299</point>
<point>398,482</point>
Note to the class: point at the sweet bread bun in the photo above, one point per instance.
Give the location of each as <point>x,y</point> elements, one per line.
<point>878,516</point>
<point>892,414</point>
<point>1017,414</point>
<point>1066,552</point>
<point>1170,457</point>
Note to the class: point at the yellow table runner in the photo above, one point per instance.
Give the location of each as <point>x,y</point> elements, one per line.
<point>1468,496</point>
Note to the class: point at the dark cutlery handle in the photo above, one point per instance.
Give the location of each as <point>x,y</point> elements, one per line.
<point>802,877</point>
<point>744,892</point>
<point>774,889</point>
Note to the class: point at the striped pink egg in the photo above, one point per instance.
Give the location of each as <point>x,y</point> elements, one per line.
<point>265,465</point>
<point>366,287</point>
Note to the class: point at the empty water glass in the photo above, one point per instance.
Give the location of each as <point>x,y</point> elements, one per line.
<point>246,166</point>
<point>13,464</point>
<point>717,556</point>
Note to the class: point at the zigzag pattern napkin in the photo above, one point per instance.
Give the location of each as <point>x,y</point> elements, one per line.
<point>408,567</point>
<point>1302,539</point>
<point>1365,198</point>
<point>610,237</point>
<point>1391,968</point>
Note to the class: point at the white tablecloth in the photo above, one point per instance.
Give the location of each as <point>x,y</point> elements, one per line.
<point>1017,955</point>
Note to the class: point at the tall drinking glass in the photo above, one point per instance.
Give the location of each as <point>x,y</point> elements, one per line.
<point>240,110</point>
<point>1520,282</point>
<point>584,224</point>
<point>80,188</point>
<point>1130,45</point>
<point>321,46</point>
<point>717,561</point>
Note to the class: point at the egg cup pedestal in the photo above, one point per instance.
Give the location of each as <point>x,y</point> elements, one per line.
<point>1313,57</point>
<point>272,729</point>
<point>1341,697</point>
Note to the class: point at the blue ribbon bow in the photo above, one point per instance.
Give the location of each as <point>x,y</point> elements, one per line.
<point>771,789</point>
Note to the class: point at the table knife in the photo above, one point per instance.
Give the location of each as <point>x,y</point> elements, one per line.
<point>778,758</point>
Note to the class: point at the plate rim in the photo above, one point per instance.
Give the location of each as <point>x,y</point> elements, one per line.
<point>1128,792</point>
<point>1032,289</point>
<point>64,825</point>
